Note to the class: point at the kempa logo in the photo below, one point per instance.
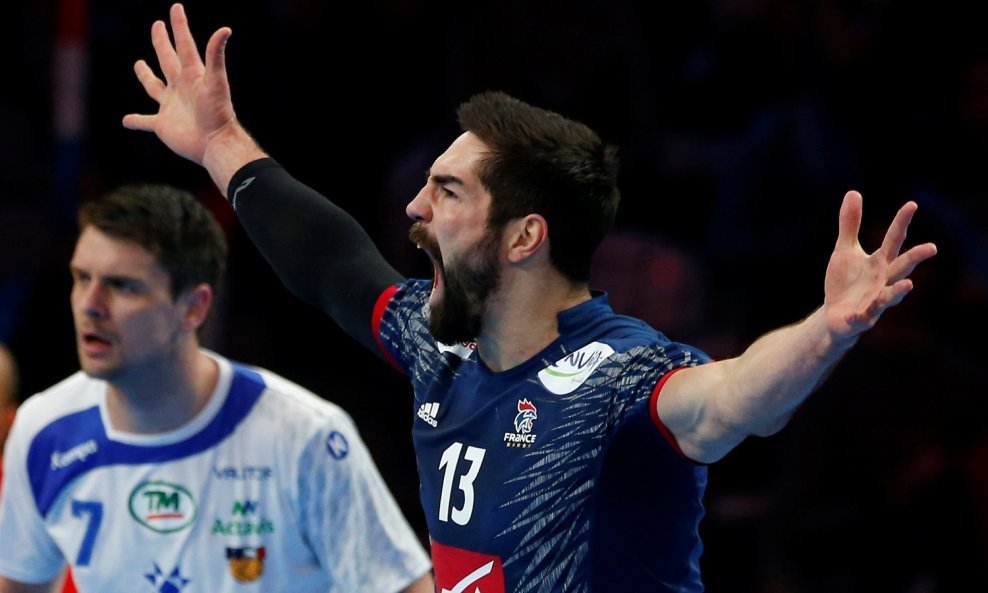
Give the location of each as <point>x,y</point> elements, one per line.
<point>429,412</point>
<point>568,373</point>
<point>162,506</point>
<point>61,459</point>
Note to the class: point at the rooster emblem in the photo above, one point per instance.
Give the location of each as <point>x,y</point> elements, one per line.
<point>526,416</point>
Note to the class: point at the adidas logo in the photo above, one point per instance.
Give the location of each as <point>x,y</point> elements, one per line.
<point>428,412</point>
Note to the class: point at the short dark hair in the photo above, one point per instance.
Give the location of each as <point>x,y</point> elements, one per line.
<point>541,162</point>
<point>170,223</point>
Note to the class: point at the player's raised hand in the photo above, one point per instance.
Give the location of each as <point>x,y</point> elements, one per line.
<point>859,286</point>
<point>194,104</point>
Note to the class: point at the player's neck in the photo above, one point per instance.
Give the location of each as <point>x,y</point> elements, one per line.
<point>164,397</point>
<point>522,319</point>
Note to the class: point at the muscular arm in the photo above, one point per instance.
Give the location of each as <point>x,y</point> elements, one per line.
<point>319,251</point>
<point>712,408</point>
<point>322,254</point>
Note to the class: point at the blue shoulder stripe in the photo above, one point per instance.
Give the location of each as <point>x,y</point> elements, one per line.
<point>75,444</point>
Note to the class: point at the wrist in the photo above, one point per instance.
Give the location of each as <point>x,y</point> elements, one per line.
<point>227,151</point>
<point>834,343</point>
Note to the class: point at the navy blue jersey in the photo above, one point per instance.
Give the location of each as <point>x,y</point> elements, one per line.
<point>556,475</point>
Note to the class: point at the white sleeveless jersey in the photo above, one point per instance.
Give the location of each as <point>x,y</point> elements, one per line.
<point>269,488</point>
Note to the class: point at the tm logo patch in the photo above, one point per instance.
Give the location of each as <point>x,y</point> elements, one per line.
<point>162,506</point>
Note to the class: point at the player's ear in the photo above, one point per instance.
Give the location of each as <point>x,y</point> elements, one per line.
<point>195,304</point>
<point>525,236</point>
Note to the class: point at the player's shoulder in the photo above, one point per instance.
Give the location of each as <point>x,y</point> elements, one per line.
<point>631,341</point>
<point>412,293</point>
<point>291,400</point>
<point>624,333</point>
<point>75,393</point>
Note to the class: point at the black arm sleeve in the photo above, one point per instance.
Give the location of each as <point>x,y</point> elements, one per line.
<point>320,252</point>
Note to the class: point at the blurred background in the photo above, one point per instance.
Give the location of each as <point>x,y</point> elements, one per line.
<point>741,123</point>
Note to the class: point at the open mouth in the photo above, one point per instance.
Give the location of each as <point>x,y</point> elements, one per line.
<point>94,343</point>
<point>418,235</point>
<point>437,278</point>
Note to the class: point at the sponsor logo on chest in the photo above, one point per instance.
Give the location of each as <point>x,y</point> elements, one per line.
<point>568,373</point>
<point>162,506</point>
<point>244,472</point>
<point>245,519</point>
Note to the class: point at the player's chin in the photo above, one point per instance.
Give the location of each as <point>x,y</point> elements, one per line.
<point>97,369</point>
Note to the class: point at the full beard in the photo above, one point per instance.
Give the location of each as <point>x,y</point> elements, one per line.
<point>467,287</point>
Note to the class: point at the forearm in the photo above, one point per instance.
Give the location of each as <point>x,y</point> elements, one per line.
<point>760,389</point>
<point>320,252</point>
<point>711,408</point>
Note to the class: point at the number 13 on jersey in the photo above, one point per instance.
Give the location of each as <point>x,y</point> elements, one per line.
<point>472,459</point>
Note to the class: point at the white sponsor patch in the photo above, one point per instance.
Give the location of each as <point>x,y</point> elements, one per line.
<point>568,373</point>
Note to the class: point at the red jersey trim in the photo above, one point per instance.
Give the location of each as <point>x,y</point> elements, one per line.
<point>376,316</point>
<point>653,410</point>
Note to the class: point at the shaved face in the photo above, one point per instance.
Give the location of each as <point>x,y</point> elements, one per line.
<point>126,319</point>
